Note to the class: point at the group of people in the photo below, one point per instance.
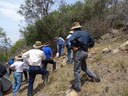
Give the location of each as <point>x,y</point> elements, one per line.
<point>37,59</point>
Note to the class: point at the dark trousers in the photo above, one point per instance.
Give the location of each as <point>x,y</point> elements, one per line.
<point>80,64</point>
<point>33,71</point>
<point>50,61</point>
<point>25,75</point>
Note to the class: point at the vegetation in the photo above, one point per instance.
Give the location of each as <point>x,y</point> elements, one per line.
<point>96,16</point>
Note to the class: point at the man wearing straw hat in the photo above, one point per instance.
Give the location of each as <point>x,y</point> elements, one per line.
<point>35,56</point>
<point>80,42</point>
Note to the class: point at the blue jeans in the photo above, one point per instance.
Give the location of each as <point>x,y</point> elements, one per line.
<point>17,82</point>
<point>33,71</point>
<point>69,54</point>
<point>60,49</point>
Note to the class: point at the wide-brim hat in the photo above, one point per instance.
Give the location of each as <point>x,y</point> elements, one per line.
<point>71,32</point>
<point>76,25</point>
<point>46,44</point>
<point>19,57</point>
<point>38,44</point>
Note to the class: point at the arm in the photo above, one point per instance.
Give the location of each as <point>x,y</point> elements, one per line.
<point>25,55</point>
<point>43,56</point>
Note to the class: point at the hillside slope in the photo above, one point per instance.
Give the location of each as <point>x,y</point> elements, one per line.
<point>111,67</point>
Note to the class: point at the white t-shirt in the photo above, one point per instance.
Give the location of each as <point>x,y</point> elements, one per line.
<point>68,36</point>
<point>18,65</point>
<point>35,57</point>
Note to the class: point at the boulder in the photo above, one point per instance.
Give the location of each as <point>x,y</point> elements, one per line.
<point>106,50</point>
<point>71,93</point>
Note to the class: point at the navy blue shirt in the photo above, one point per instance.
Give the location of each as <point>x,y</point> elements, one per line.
<point>47,51</point>
<point>81,39</point>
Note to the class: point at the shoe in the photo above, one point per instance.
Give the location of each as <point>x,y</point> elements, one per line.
<point>45,79</point>
<point>75,89</point>
<point>94,79</point>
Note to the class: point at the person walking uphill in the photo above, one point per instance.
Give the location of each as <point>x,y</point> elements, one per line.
<point>60,44</point>
<point>49,56</point>
<point>35,57</point>
<point>17,66</point>
<point>68,45</point>
<point>80,42</point>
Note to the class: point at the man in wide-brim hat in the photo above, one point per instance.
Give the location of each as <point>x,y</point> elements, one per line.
<point>80,42</point>
<point>35,57</point>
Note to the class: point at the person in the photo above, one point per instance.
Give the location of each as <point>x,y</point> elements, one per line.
<point>35,56</point>
<point>10,62</point>
<point>80,42</point>
<point>17,66</point>
<point>49,56</point>
<point>26,67</point>
<point>60,44</point>
<point>68,45</point>
<point>5,83</point>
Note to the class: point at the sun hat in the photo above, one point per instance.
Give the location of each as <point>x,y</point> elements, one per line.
<point>76,25</point>
<point>46,44</point>
<point>38,44</point>
<point>71,32</point>
<point>4,79</point>
<point>19,57</point>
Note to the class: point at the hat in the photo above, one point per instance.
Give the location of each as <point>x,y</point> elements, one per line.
<point>19,57</point>
<point>38,44</point>
<point>71,32</point>
<point>76,25</point>
<point>46,44</point>
<point>5,81</point>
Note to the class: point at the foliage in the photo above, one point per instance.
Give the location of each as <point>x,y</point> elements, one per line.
<point>96,16</point>
<point>18,46</point>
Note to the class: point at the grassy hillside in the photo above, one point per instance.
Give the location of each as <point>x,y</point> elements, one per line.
<point>111,67</point>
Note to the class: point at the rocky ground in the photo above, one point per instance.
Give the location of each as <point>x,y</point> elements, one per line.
<point>109,60</point>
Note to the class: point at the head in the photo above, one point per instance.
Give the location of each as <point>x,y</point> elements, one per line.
<point>19,57</point>
<point>38,45</point>
<point>76,26</point>
<point>46,44</point>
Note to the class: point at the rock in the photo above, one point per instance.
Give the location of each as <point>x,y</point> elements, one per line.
<point>106,50</point>
<point>124,46</point>
<point>116,51</point>
<point>71,93</point>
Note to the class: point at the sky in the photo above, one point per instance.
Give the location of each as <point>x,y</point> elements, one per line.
<point>10,19</point>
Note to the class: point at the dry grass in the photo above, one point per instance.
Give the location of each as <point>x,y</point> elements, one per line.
<point>112,69</point>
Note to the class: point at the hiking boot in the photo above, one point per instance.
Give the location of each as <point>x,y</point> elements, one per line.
<point>46,79</point>
<point>54,66</point>
<point>94,79</point>
<point>75,89</point>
